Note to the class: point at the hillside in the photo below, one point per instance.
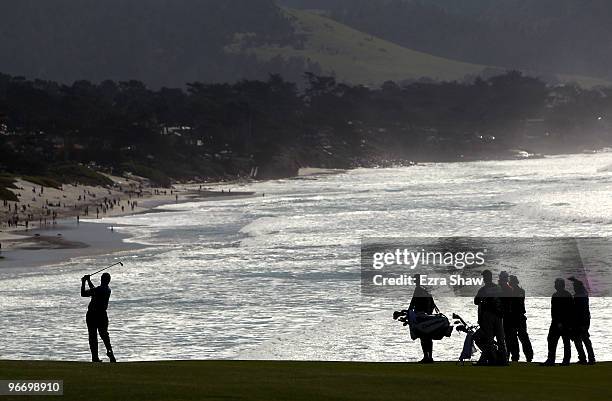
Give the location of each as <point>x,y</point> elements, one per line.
<point>165,43</point>
<point>547,36</point>
<point>354,56</point>
<point>358,57</point>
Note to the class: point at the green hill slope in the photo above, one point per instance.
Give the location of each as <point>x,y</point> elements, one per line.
<point>560,36</point>
<point>355,56</point>
<point>358,57</point>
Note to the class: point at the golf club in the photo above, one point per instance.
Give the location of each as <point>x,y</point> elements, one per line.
<point>106,268</point>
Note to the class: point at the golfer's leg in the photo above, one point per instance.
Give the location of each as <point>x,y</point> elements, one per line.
<point>427,344</point>
<point>103,330</point>
<point>93,337</point>
<point>511,338</point>
<point>500,336</point>
<point>423,347</point>
<point>567,348</point>
<point>553,339</point>
<point>586,338</point>
<point>527,347</point>
<point>578,344</point>
<point>523,336</point>
<point>589,348</point>
<point>487,333</point>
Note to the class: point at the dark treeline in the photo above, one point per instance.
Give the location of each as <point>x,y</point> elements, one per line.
<point>212,131</point>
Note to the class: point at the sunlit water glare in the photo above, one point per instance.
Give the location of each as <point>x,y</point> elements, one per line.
<point>277,277</point>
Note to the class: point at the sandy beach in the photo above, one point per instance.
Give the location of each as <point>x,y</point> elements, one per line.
<point>314,171</point>
<point>50,225</point>
<point>64,241</point>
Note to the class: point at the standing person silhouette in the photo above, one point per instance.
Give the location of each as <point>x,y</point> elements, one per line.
<point>519,319</point>
<point>422,301</point>
<point>562,311</point>
<point>582,322</point>
<point>96,318</point>
<point>490,314</point>
<point>510,332</point>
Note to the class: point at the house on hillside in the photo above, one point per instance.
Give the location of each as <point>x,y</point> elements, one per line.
<point>180,131</point>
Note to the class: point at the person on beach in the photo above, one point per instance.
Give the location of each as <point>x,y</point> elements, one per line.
<point>96,318</point>
<point>422,301</point>
<point>491,323</point>
<point>581,323</point>
<point>519,320</point>
<point>562,311</point>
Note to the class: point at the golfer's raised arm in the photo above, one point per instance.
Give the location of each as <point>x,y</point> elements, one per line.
<point>84,292</point>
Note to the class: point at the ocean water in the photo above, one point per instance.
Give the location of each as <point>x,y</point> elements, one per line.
<point>277,277</point>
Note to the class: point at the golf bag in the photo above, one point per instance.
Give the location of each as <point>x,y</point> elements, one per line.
<point>475,341</point>
<point>421,324</point>
<point>469,347</point>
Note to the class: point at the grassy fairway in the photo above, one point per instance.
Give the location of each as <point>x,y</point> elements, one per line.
<point>253,380</point>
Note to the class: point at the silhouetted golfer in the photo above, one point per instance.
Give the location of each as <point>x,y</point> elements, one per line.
<point>490,321</point>
<point>509,326</point>
<point>562,311</point>
<point>519,320</point>
<point>97,319</point>
<point>582,322</point>
<point>422,301</point>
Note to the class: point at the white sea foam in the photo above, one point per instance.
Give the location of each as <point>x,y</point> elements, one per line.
<point>277,277</point>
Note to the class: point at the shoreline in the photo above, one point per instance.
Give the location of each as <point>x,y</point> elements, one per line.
<point>69,238</point>
<point>158,196</point>
<point>21,247</point>
<point>64,242</point>
<point>152,198</point>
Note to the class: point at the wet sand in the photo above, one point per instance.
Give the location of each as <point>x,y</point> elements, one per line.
<point>315,171</point>
<point>62,242</point>
<point>68,239</point>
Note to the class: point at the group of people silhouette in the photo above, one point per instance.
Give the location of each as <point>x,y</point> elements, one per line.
<point>501,317</point>
<point>503,322</point>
